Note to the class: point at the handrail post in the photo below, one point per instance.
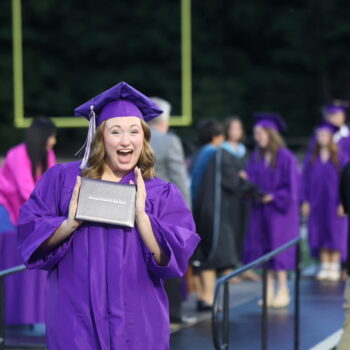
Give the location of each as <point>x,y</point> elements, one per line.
<point>297,298</point>
<point>215,326</point>
<point>222,342</point>
<point>226,315</point>
<point>264,321</point>
<point>2,313</point>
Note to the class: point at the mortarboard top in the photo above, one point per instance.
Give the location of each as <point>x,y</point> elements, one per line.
<point>335,107</point>
<point>270,121</point>
<point>324,125</point>
<point>121,100</point>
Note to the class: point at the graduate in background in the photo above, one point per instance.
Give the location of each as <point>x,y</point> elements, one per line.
<point>105,282</point>
<point>171,167</point>
<point>22,168</point>
<point>24,165</point>
<point>210,136</point>
<point>217,212</point>
<point>321,202</point>
<point>274,219</point>
<point>236,190</point>
<point>335,114</point>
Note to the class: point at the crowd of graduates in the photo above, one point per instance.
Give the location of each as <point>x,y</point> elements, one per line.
<point>246,205</point>
<point>245,202</point>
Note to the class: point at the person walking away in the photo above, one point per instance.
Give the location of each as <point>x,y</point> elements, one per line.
<point>170,166</point>
<point>234,158</point>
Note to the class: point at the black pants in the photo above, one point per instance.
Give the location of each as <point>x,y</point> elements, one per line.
<point>173,290</point>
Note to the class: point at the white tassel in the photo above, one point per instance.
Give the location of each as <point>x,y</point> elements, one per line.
<point>89,139</point>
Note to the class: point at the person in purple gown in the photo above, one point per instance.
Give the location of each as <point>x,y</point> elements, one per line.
<point>105,282</point>
<point>335,114</point>
<point>274,219</point>
<point>321,203</point>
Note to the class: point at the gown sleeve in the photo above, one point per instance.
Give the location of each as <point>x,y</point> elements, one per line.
<point>305,180</point>
<point>39,219</point>
<point>250,168</point>
<point>345,188</point>
<point>174,228</point>
<point>21,172</point>
<point>231,181</point>
<point>287,187</point>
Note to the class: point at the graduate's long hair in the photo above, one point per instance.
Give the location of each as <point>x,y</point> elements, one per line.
<point>97,156</point>
<point>333,151</point>
<point>36,138</point>
<point>276,142</point>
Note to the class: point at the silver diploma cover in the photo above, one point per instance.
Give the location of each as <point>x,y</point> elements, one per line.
<point>106,202</point>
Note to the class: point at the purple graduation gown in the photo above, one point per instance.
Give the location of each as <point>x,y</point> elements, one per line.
<point>321,189</point>
<point>274,224</point>
<point>104,289</point>
<point>344,144</point>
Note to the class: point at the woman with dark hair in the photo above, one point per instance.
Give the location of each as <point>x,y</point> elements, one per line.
<point>210,137</point>
<point>40,139</point>
<point>105,282</point>
<point>23,166</point>
<point>321,203</point>
<point>273,218</point>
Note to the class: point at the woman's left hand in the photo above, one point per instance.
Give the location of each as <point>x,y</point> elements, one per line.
<point>144,224</point>
<point>243,175</point>
<point>341,211</point>
<point>141,193</point>
<point>267,198</point>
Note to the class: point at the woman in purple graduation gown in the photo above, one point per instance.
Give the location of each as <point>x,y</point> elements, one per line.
<point>321,202</point>
<point>105,288</point>
<point>274,219</point>
<point>335,114</point>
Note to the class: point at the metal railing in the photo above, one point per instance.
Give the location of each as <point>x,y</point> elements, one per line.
<point>220,326</point>
<point>4,274</point>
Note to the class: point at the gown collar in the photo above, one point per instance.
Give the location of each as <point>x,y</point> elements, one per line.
<point>128,177</point>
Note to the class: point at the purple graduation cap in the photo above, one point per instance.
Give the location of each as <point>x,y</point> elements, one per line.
<point>121,100</point>
<point>270,121</point>
<point>335,107</point>
<point>324,125</point>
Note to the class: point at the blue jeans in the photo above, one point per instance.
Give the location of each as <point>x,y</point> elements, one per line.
<point>5,221</point>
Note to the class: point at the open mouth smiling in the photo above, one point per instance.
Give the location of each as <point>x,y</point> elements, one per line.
<point>124,152</point>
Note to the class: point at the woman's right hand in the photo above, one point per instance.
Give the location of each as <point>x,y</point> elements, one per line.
<point>305,209</point>
<point>243,175</point>
<point>71,221</point>
<point>69,225</point>
<point>267,198</point>
<point>340,211</point>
